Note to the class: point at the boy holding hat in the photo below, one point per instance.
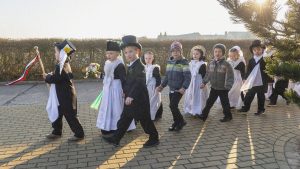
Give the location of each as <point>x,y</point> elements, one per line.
<point>62,98</point>
<point>221,77</point>
<point>112,102</point>
<point>137,105</point>
<point>256,79</point>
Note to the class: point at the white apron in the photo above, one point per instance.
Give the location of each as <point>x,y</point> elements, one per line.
<point>52,104</point>
<point>254,79</point>
<point>112,103</point>
<point>195,98</point>
<point>234,95</point>
<point>154,96</point>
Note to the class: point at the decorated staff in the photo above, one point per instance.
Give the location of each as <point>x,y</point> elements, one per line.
<point>36,59</point>
<point>62,97</point>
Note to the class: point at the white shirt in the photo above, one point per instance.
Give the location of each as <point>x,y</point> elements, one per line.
<point>257,58</point>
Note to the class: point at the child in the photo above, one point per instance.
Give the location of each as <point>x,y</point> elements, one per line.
<point>137,104</point>
<point>63,98</point>
<point>153,80</point>
<point>237,61</point>
<point>279,88</point>
<point>178,78</point>
<point>256,82</point>
<point>112,102</point>
<point>221,77</point>
<point>195,97</point>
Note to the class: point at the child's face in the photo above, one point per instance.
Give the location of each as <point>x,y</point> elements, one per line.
<point>233,56</point>
<point>196,55</point>
<point>57,51</point>
<point>176,54</point>
<point>257,51</point>
<point>131,53</point>
<point>149,58</point>
<point>218,53</point>
<point>112,55</point>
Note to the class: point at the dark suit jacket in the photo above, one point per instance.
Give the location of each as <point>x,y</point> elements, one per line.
<point>65,90</point>
<point>135,87</point>
<point>264,75</point>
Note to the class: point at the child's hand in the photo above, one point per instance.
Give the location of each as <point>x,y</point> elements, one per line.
<point>159,89</point>
<point>181,91</point>
<point>128,101</point>
<point>45,75</point>
<point>202,86</point>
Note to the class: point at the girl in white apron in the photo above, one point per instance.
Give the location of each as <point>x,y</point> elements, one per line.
<point>195,98</point>
<point>153,80</point>
<point>238,63</point>
<point>112,102</point>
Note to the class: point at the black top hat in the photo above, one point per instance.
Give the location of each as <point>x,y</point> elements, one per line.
<point>112,46</point>
<point>130,40</point>
<point>67,46</point>
<point>257,43</point>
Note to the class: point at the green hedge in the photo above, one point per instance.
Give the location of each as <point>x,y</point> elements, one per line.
<point>15,54</point>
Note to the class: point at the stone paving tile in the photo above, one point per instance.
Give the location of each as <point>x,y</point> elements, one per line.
<point>269,141</point>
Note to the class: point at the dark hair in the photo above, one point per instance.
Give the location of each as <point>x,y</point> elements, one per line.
<point>149,53</point>
<point>202,57</point>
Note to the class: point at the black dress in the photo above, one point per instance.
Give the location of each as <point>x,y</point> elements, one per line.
<point>67,99</point>
<point>119,73</point>
<point>157,76</point>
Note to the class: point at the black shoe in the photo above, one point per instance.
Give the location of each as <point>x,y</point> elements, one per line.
<point>272,105</point>
<point>243,110</point>
<point>111,140</point>
<point>104,132</point>
<point>75,139</point>
<point>172,128</point>
<point>288,102</point>
<point>202,117</point>
<point>180,126</point>
<point>226,119</point>
<point>151,143</point>
<point>232,107</point>
<point>259,112</point>
<point>53,136</point>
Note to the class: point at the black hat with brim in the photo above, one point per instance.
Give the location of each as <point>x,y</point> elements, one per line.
<point>67,46</point>
<point>130,40</point>
<point>256,43</point>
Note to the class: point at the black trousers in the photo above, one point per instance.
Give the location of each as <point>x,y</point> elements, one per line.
<point>213,95</point>
<point>260,92</point>
<point>159,111</point>
<point>174,101</point>
<point>72,120</point>
<point>274,96</point>
<point>125,121</point>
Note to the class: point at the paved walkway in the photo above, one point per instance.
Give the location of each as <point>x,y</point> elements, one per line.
<point>269,141</point>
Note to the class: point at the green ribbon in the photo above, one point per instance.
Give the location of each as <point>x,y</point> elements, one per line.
<point>96,103</point>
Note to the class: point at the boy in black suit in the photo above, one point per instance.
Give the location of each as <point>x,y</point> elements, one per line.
<point>62,78</point>
<point>137,105</point>
<point>257,79</point>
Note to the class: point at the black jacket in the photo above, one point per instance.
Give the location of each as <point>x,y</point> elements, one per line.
<point>264,75</point>
<point>135,87</point>
<point>65,89</point>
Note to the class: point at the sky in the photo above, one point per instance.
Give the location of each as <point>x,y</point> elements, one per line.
<point>86,19</point>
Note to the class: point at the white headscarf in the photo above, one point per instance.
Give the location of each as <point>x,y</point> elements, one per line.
<point>241,54</point>
<point>62,59</point>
